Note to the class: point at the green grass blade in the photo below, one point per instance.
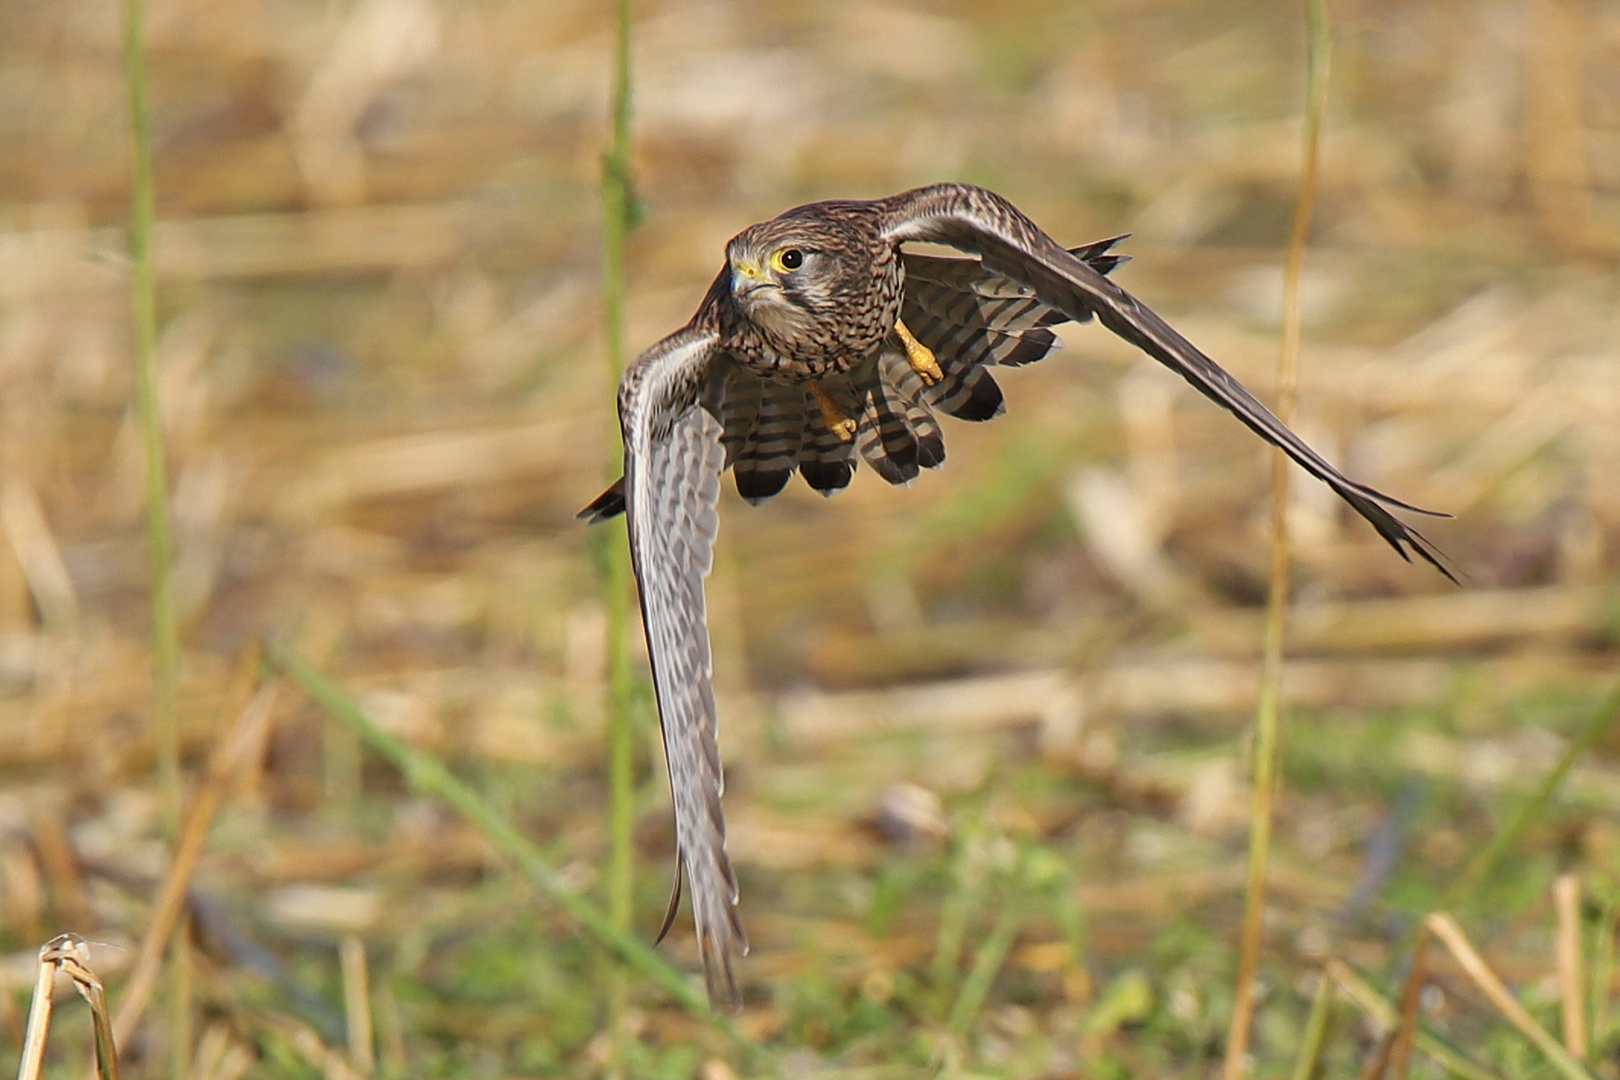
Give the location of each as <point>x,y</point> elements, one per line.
<point>1311,1045</point>
<point>427,775</point>
<point>1480,867</point>
<point>987,963</point>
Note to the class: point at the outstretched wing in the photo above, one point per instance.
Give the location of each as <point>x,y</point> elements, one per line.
<point>973,319</point>
<point>668,408</point>
<point>981,222</point>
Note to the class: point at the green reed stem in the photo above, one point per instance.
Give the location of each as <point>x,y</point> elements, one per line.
<point>617,196</point>
<point>1266,723</point>
<point>143,314</point>
<point>159,543</point>
<point>619,208</point>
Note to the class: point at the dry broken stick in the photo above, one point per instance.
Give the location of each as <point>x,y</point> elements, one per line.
<point>1361,994</point>
<point>228,755</point>
<point>1445,928</point>
<point>1571,984</point>
<point>68,954</point>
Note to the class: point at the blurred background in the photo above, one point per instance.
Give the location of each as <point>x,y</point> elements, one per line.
<point>386,395</point>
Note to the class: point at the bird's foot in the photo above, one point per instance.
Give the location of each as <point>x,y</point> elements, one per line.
<point>920,356</point>
<point>831,415</point>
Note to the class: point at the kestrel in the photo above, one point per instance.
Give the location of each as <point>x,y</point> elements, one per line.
<point>821,343</point>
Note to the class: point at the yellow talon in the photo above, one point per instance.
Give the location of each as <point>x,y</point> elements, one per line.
<point>921,356</point>
<point>831,415</point>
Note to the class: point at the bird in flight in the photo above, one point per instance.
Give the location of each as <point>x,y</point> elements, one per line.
<point>821,343</point>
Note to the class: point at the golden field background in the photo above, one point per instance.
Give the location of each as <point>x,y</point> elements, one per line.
<point>383,380</point>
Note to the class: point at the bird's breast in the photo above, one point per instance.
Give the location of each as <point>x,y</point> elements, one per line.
<point>824,343</point>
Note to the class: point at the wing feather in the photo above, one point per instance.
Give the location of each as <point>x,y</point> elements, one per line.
<point>1009,244</point>
<point>673,457</point>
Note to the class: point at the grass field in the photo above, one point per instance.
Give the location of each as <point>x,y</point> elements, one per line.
<point>987,736</point>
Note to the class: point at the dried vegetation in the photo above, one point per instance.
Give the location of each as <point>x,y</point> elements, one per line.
<point>986,784</point>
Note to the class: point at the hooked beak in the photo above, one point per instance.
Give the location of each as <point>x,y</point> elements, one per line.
<point>746,279</point>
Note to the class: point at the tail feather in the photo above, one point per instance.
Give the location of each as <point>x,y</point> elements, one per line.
<point>885,436</point>
<point>969,394</point>
<point>907,388</point>
<point>826,461</point>
<point>770,452</point>
<point>719,930</point>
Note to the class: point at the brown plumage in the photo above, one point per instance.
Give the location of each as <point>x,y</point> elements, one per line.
<point>807,316</point>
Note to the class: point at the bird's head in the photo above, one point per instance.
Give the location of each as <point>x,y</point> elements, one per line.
<point>787,272</point>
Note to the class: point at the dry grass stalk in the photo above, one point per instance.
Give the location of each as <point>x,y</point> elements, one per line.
<point>1131,687</point>
<point>1267,720</point>
<point>260,1023</point>
<point>1444,621</point>
<point>38,554</point>
<point>381,42</point>
<point>390,1030</point>
<point>1555,129</point>
<point>221,1054</point>
<point>422,464</point>
<point>1445,928</point>
<point>39,1019</point>
<point>378,295</point>
<point>1405,1032</point>
<point>231,246</point>
<point>230,752</point>
<point>306,1042</point>
<point>61,868</point>
<point>1372,1004</point>
<point>1378,1064</point>
<point>67,954</point>
<point>1571,982</point>
<point>357,1001</point>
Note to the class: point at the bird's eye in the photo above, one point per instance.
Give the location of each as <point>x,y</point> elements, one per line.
<point>787,259</point>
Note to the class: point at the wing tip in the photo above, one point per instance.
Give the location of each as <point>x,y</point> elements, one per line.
<point>716,947</point>
<point>718,944</point>
<point>1432,555</point>
<point>1372,505</point>
<point>1389,500</point>
<point>609,504</point>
